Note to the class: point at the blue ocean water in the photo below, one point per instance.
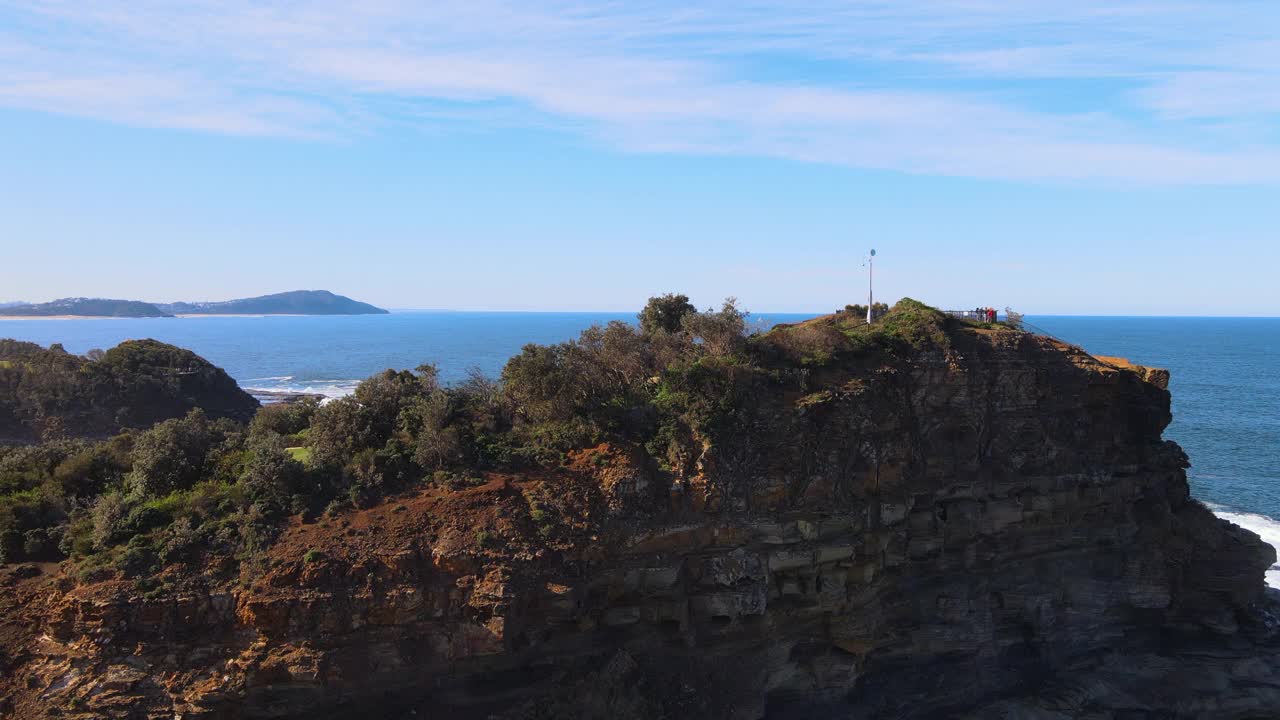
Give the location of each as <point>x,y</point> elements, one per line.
<point>1225,371</point>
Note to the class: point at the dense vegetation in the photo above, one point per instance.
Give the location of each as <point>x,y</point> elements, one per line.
<point>877,310</point>
<point>295,302</point>
<point>48,393</point>
<point>197,485</point>
<point>89,307</point>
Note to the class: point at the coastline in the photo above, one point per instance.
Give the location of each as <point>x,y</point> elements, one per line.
<point>1267,527</point>
<point>159,317</point>
<point>244,315</point>
<point>65,317</point>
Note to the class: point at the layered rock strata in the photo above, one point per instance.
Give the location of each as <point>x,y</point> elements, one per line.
<point>993,527</point>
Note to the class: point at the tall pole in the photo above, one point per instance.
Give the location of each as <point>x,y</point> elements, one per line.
<point>870,295</point>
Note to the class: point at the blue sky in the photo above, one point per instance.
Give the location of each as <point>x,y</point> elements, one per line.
<point>1069,158</point>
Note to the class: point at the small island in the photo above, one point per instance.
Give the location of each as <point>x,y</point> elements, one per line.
<point>296,302</point>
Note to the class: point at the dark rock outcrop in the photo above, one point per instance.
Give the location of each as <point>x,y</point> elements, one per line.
<point>992,526</point>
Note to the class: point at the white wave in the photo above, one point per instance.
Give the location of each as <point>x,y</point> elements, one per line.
<point>331,391</point>
<point>283,378</point>
<point>1267,528</point>
<point>328,389</point>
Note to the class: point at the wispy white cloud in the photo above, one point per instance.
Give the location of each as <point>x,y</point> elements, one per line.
<point>1216,94</point>
<point>1014,89</point>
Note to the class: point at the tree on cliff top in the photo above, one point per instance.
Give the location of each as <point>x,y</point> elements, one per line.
<point>665,313</point>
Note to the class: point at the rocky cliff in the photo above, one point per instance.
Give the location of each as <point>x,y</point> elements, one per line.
<point>990,525</point>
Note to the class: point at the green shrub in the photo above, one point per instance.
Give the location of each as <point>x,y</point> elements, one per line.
<point>138,558</point>
<point>180,539</point>
<point>92,470</point>
<point>173,455</point>
<point>77,537</point>
<point>273,478</point>
<point>146,517</point>
<point>913,325</point>
<point>719,333</point>
<point>108,519</point>
<point>29,525</point>
<point>284,419</point>
<point>439,442</point>
<point>665,313</point>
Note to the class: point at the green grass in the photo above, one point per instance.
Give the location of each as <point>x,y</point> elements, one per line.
<point>909,324</point>
<point>175,503</point>
<point>301,454</point>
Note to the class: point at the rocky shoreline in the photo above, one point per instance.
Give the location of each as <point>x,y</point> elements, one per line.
<point>270,397</point>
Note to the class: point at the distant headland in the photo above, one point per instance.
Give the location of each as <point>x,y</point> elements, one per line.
<point>296,302</point>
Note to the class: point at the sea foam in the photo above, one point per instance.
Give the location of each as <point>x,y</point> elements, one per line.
<point>1267,528</point>
<point>328,389</point>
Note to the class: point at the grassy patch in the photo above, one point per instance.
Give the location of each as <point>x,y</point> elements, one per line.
<point>301,454</point>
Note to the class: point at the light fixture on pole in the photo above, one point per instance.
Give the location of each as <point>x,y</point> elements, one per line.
<point>870,296</point>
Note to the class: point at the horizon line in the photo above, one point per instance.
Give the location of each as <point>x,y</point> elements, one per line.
<point>816,313</point>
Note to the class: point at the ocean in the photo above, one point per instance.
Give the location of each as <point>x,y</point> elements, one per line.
<point>1225,372</point>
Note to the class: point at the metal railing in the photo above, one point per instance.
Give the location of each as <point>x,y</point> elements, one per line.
<point>1011,318</point>
<point>1015,319</point>
<point>973,315</point>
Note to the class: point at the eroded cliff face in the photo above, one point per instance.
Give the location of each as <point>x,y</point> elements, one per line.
<point>970,529</point>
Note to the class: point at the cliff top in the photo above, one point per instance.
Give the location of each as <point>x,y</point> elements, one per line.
<point>911,326</point>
